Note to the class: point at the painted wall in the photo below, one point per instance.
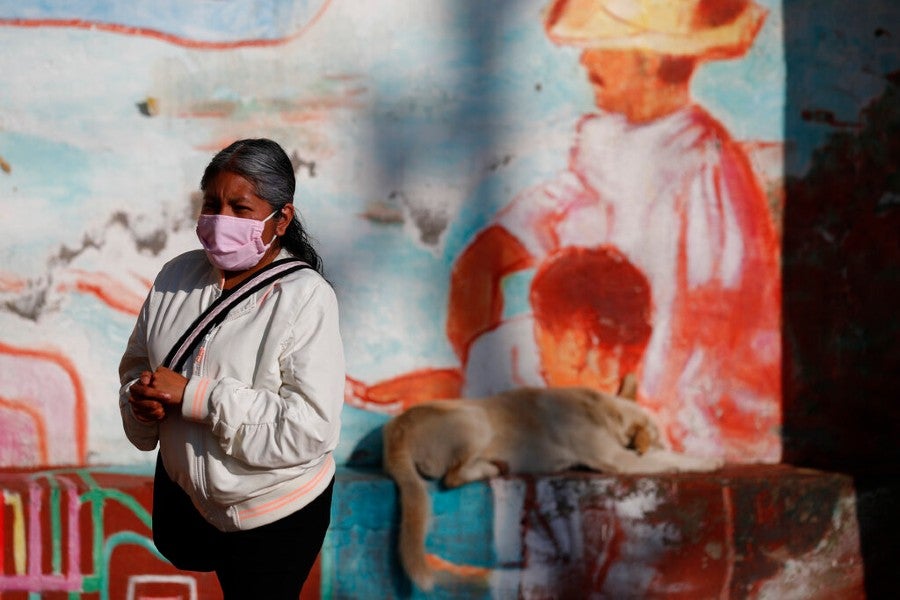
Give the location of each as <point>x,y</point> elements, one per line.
<point>482,225</point>
<point>434,144</point>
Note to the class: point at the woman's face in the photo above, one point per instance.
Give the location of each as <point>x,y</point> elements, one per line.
<point>231,195</point>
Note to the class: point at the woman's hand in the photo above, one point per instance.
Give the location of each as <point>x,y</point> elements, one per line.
<point>147,403</point>
<point>155,394</point>
<point>171,385</point>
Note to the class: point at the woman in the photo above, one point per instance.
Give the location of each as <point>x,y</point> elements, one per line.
<point>246,429</point>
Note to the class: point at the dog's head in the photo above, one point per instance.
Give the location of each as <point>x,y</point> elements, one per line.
<point>641,437</point>
<point>631,424</point>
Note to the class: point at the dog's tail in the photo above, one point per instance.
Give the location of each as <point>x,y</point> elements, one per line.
<point>415,503</point>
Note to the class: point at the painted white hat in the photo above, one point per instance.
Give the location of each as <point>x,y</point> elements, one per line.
<point>704,28</point>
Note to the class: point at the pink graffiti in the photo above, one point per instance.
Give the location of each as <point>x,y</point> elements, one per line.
<point>44,387</point>
<point>35,578</point>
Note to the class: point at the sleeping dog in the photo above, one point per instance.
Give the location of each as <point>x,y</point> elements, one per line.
<point>525,430</point>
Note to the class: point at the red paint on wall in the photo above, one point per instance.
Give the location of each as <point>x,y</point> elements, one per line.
<point>592,312</point>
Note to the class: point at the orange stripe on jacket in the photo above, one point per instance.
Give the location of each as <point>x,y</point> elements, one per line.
<point>279,502</point>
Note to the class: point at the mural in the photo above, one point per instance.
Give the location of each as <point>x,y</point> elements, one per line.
<point>522,192</point>
<point>502,259</point>
<point>655,251</point>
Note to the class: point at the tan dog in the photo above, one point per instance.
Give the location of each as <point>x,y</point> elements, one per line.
<point>526,430</point>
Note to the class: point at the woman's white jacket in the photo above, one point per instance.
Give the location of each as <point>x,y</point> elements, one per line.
<point>261,413</point>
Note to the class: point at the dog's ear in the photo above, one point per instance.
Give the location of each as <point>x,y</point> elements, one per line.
<point>628,387</point>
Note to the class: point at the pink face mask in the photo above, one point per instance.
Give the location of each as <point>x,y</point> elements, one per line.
<point>232,243</point>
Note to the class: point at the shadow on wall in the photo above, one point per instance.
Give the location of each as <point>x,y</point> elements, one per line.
<point>432,140</point>
<point>443,116</point>
<point>411,132</point>
<point>841,259</point>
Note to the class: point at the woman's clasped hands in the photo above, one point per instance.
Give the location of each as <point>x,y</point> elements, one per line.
<point>155,394</point>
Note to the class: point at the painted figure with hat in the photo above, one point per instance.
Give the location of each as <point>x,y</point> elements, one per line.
<point>657,196</point>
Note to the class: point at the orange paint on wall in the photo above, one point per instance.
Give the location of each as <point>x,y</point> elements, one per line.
<point>107,289</point>
<point>399,393</point>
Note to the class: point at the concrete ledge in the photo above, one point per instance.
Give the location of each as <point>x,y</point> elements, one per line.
<point>744,532</point>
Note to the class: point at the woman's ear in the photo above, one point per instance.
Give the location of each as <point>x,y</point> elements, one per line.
<point>285,218</point>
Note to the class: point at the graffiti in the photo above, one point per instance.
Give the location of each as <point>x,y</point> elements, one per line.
<point>68,530</point>
<point>87,531</point>
<point>746,532</point>
<point>42,409</point>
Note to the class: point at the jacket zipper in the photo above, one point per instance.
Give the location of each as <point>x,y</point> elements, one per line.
<point>199,462</point>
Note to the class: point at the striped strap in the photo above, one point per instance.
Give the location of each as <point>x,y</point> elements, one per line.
<point>218,310</point>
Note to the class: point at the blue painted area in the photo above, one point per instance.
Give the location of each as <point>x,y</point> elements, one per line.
<point>516,288</point>
<point>360,541</point>
<point>464,541</point>
<point>360,444</point>
<point>48,189</point>
<point>93,315</point>
<point>361,544</point>
<point>144,470</point>
<point>498,189</point>
<point>751,104</point>
<point>203,20</point>
<point>58,173</point>
<point>393,295</point>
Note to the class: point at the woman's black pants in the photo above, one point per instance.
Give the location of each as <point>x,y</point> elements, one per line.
<point>271,561</point>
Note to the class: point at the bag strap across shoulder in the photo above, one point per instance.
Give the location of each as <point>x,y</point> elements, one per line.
<point>218,310</point>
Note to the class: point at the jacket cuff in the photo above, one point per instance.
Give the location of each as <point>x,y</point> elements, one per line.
<point>195,403</point>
